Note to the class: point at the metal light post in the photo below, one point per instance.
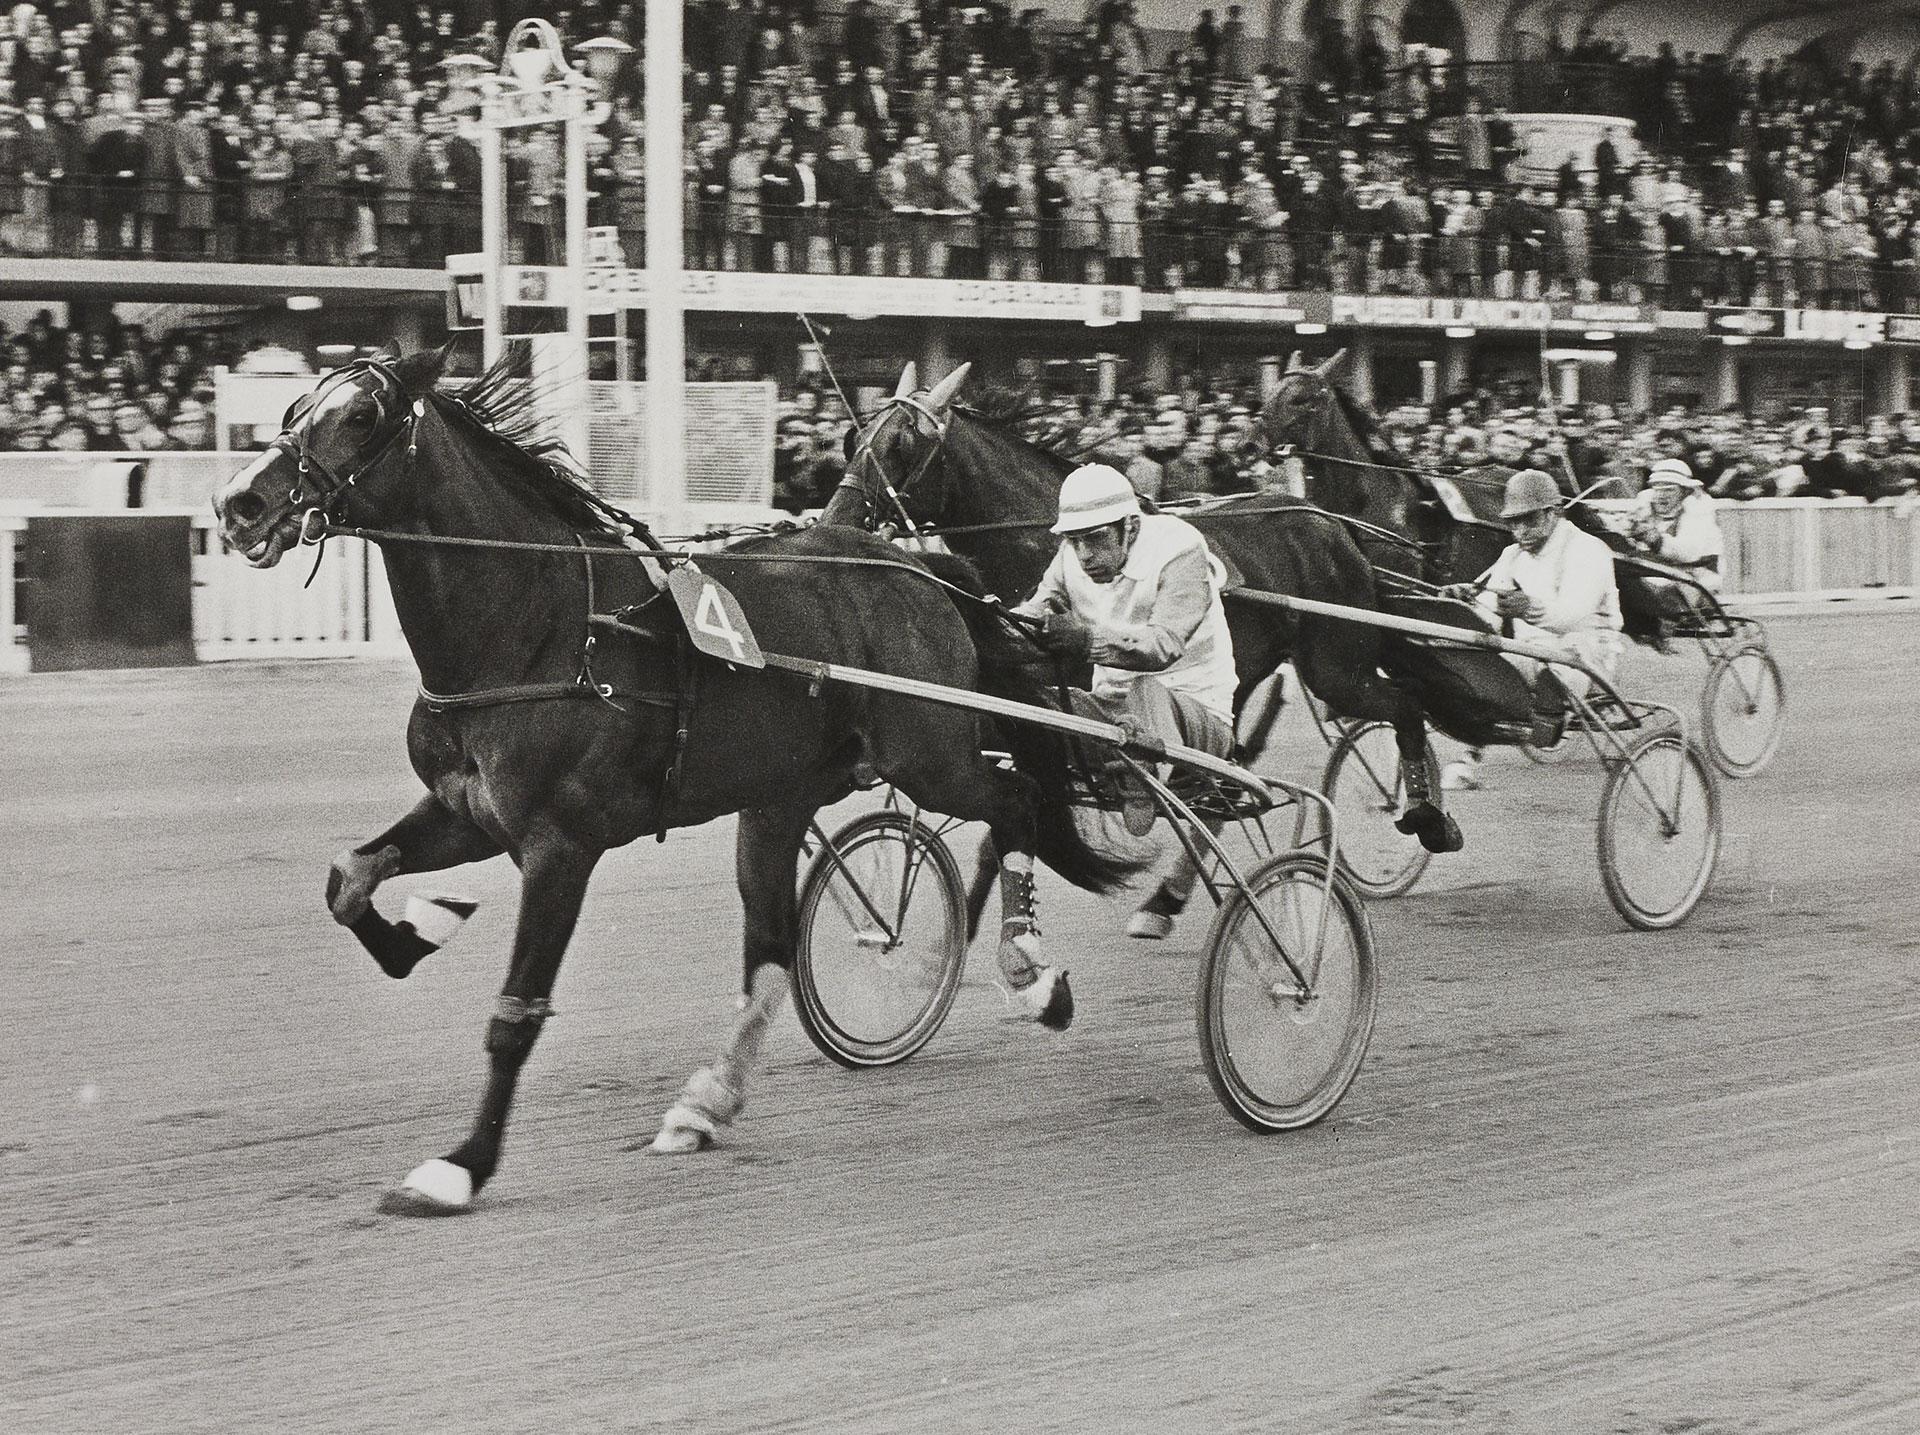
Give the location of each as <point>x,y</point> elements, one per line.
<point>666,263</point>
<point>536,86</point>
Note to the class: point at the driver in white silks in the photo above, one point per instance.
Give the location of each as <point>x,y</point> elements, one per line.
<point>1673,523</point>
<point>1552,587</point>
<point>1137,595</point>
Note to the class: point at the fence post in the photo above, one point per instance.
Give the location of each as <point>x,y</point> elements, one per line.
<point>1808,540</point>
<point>13,653</point>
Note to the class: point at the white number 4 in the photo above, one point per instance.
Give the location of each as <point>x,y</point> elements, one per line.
<point>710,617</point>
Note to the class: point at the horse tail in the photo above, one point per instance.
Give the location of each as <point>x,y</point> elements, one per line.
<point>1043,756</point>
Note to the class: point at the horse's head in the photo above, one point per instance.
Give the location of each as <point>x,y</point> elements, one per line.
<point>1302,408</point>
<point>894,464</point>
<point>334,447</point>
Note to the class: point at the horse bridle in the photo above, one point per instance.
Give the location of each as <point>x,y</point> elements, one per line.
<point>295,440</point>
<point>894,494</point>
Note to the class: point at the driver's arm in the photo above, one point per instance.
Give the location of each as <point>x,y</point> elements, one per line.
<point>1179,607</point>
<point>1051,595</point>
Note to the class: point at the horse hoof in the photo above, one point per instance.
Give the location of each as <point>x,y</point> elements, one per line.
<point>1150,926</point>
<point>433,1188</point>
<point>1049,1000</point>
<point>679,1139</point>
<point>1443,836</point>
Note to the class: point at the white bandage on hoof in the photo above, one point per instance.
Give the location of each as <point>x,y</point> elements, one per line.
<point>683,1131</point>
<point>436,916</point>
<point>1048,1000</point>
<point>1150,926</point>
<point>706,1104</point>
<point>1019,951</point>
<point>437,1187</point>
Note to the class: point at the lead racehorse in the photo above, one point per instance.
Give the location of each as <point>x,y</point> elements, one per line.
<point>537,740</point>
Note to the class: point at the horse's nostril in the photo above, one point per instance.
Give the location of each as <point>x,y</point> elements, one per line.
<point>245,507</point>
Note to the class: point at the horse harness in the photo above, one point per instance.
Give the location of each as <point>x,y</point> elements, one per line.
<point>317,524</point>
<point>940,426</point>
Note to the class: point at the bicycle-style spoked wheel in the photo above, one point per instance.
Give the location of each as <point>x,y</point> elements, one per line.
<point>1659,831</point>
<point>1743,710</point>
<point>882,940</point>
<point>1365,785</point>
<point>1277,1057</point>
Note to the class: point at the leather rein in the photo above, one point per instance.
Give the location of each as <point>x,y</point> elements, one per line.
<point>332,488</point>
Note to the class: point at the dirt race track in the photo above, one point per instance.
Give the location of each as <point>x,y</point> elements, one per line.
<point>1588,1180</point>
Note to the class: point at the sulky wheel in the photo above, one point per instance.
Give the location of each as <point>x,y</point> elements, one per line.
<point>1743,710</point>
<point>882,940</point>
<point>1276,1058</point>
<point>1659,831</point>
<point>1364,783</point>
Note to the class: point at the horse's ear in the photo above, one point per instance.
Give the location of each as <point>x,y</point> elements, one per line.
<point>1294,365</point>
<point>942,393</point>
<point>419,372</point>
<point>1326,370</point>
<point>909,381</point>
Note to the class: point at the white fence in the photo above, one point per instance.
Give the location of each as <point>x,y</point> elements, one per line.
<point>245,612</point>
<point>116,480</point>
<point>1776,548</point>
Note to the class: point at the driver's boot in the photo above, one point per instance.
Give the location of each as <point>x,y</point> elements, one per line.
<point>1550,705</point>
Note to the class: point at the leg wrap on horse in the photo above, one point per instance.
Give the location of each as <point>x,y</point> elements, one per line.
<point>1041,990</point>
<point>715,1094</point>
<point>1424,818</point>
<point>1019,926</point>
<point>516,1027</point>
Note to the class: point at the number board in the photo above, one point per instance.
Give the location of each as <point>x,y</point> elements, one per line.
<point>714,618</point>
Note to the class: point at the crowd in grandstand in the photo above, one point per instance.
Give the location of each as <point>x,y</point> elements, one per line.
<point>1197,443</point>
<point>968,140</point>
<point>111,390</point>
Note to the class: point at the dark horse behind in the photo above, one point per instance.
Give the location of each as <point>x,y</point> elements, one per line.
<point>1433,528</point>
<point>926,461</point>
<point>542,737</point>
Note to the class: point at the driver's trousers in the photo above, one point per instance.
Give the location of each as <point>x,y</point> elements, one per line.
<point>1149,706</point>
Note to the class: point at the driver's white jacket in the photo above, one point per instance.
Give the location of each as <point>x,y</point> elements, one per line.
<point>1687,538</point>
<point>1571,577</point>
<point>1162,615</point>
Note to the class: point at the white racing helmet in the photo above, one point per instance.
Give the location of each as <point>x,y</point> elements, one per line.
<point>1672,471</point>
<point>1094,495</point>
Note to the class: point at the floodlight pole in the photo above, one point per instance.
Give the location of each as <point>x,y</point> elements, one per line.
<point>666,264</point>
<point>536,86</point>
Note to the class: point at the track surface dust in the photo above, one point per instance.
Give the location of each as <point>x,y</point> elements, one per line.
<point>1588,1180</point>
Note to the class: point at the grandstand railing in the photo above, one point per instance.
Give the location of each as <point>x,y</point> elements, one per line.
<point>1196,245</point>
<point>1539,86</point>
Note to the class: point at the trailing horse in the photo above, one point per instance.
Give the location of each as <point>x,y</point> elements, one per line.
<point>925,461</point>
<point>1435,528</point>
<point>538,737</point>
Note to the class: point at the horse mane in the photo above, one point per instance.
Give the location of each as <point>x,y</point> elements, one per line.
<point>1003,404</point>
<point>1014,415</point>
<point>504,407</point>
<point>1367,427</point>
